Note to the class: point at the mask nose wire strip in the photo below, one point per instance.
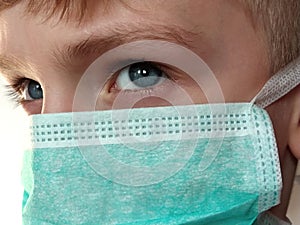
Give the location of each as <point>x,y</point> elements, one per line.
<point>279,85</point>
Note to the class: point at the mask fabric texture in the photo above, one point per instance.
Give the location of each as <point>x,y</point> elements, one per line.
<point>89,168</point>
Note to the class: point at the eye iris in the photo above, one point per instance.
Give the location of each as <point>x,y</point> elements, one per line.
<point>144,74</point>
<point>35,90</point>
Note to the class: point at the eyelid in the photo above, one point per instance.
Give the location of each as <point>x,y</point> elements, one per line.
<point>171,72</point>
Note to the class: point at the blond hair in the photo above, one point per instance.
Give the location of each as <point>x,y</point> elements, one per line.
<point>280,20</point>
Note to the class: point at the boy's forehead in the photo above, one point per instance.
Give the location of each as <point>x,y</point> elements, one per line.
<point>176,20</point>
<point>69,9</point>
<point>110,26</point>
<point>189,14</point>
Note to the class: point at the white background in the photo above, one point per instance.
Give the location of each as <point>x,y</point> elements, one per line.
<point>10,162</point>
<point>12,126</point>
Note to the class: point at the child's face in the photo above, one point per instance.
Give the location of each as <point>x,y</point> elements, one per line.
<point>220,32</point>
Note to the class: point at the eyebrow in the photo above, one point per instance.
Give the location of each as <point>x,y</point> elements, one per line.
<point>113,36</point>
<point>13,68</point>
<point>95,45</point>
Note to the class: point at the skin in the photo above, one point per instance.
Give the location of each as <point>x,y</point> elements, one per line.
<point>230,44</point>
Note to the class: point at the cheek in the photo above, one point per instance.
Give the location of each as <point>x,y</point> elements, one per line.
<point>151,102</point>
<point>280,115</point>
<point>237,55</point>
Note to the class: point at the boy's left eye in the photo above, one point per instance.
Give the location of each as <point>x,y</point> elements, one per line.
<point>140,76</point>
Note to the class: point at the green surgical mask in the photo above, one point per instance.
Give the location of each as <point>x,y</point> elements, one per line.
<point>184,174</point>
<point>198,164</point>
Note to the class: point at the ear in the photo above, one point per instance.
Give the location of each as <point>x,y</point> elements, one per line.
<point>294,128</point>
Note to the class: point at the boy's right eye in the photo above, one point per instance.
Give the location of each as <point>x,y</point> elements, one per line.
<point>32,90</point>
<point>26,92</point>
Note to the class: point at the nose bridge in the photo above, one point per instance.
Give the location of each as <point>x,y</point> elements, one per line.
<point>69,92</point>
<point>70,97</point>
<point>57,103</point>
<point>58,98</point>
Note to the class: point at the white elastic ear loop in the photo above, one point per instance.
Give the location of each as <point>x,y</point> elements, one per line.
<point>279,85</point>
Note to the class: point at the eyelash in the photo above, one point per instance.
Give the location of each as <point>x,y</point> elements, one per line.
<point>14,90</point>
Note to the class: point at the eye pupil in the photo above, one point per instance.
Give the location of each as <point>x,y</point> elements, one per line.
<point>35,90</point>
<point>144,74</point>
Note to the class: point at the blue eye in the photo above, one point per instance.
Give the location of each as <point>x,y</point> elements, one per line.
<point>33,91</point>
<point>140,75</point>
